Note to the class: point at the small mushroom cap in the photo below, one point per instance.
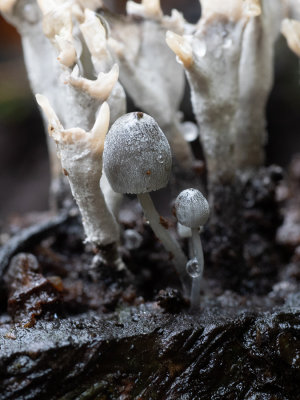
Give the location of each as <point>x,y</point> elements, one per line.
<point>192,208</point>
<point>137,156</point>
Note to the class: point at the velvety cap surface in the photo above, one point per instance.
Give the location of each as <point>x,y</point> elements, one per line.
<point>192,208</point>
<point>137,156</point>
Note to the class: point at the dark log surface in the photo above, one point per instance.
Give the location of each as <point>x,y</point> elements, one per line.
<point>143,353</point>
<point>72,330</point>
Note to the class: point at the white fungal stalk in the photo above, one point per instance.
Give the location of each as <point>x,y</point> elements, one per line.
<point>214,98</point>
<point>76,98</point>
<point>95,37</point>
<point>149,72</point>
<point>225,60</point>
<point>256,73</point>
<point>170,244</point>
<point>80,153</point>
<point>196,273</point>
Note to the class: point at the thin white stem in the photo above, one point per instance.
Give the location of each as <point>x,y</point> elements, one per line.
<point>165,237</point>
<point>196,282</point>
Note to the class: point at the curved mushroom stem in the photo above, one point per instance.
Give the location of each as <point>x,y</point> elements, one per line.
<point>196,282</point>
<point>164,236</point>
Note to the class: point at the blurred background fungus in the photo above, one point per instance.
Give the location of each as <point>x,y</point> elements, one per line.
<point>24,176</point>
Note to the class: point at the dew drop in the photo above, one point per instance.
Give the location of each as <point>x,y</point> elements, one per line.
<point>190,131</point>
<point>201,48</point>
<point>160,158</point>
<point>31,13</point>
<point>193,268</point>
<point>132,239</point>
<point>227,43</point>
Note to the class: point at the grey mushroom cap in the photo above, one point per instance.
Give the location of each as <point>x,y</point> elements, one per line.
<point>192,208</point>
<point>137,156</point>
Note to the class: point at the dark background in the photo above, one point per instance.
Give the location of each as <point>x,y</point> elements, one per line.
<point>24,170</point>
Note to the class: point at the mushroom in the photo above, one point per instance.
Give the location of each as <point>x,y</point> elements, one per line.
<point>137,159</point>
<point>192,211</point>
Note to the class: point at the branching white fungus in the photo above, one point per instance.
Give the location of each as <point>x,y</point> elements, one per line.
<point>95,37</point>
<point>80,153</point>
<point>192,211</point>
<point>228,61</point>
<point>137,159</point>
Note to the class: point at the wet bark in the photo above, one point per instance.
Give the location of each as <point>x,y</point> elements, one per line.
<point>71,330</point>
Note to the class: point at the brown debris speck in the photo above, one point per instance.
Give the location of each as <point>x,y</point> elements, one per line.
<point>164,222</point>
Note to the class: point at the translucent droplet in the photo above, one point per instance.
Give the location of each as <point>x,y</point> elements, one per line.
<point>132,239</point>
<point>160,158</point>
<point>31,13</point>
<point>190,131</point>
<point>193,268</point>
<point>201,49</point>
<point>227,43</point>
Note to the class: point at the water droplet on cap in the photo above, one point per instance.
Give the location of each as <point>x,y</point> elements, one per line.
<point>132,239</point>
<point>160,158</point>
<point>201,48</point>
<point>193,268</point>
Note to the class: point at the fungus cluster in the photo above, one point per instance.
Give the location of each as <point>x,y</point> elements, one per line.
<point>81,58</point>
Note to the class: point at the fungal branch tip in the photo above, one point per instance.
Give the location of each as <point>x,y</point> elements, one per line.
<point>147,9</point>
<point>252,8</point>
<point>181,47</point>
<point>100,128</point>
<point>101,87</point>
<point>54,126</point>
<point>6,6</point>
<point>291,31</point>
